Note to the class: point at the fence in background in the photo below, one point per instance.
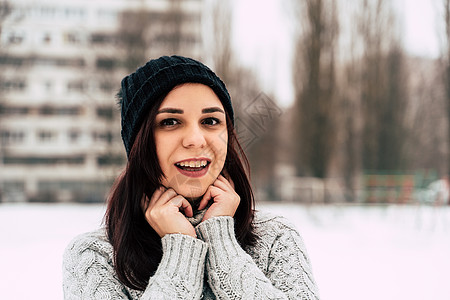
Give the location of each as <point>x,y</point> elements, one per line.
<point>375,187</point>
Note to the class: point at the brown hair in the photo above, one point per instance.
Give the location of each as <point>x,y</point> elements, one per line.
<point>137,247</point>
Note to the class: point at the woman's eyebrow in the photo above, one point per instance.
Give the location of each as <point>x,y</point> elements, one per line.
<point>212,109</point>
<point>170,110</point>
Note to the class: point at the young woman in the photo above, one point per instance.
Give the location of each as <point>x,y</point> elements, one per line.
<point>180,222</point>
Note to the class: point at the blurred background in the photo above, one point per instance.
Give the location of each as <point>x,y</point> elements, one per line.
<point>342,107</point>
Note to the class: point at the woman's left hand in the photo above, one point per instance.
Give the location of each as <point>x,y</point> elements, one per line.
<point>226,200</point>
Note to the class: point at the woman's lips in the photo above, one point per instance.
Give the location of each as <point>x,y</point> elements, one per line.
<point>193,168</point>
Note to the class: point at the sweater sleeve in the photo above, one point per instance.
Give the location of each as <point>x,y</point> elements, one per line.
<point>232,274</point>
<point>88,271</point>
<point>181,271</point>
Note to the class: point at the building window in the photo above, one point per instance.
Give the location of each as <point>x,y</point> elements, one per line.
<point>12,61</point>
<point>49,61</point>
<point>104,137</point>
<point>9,137</point>
<point>46,136</point>
<point>14,110</point>
<point>48,12</point>
<point>106,63</point>
<point>106,86</point>
<point>12,185</point>
<point>12,190</point>
<point>73,38</point>
<point>88,185</point>
<point>105,112</point>
<point>103,39</point>
<point>60,111</point>
<point>5,8</point>
<point>34,160</point>
<point>13,85</point>
<point>74,136</point>
<point>67,111</point>
<point>76,86</point>
<point>75,13</point>
<point>111,160</point>
<point>46,110</point>
<point>47,38</point>
<point>82,191</point>
<point>15,38</point>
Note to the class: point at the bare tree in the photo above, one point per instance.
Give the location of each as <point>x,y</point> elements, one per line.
<point>173,21</point>
<point>241,82</point>
<point>315,86</point>
<point>133,37</point>
<point>446,63</point>
<point>255,112</point>
<point>349,143</point>
<point>383,88</point>
<point>144,33</point>
<point>427,116</point>
<point>223,57</point>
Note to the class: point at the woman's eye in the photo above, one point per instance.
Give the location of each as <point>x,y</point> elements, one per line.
<point>211,121</point>
<point>168,122</point>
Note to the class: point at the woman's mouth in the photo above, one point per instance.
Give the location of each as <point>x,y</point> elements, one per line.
<point>193,167</point>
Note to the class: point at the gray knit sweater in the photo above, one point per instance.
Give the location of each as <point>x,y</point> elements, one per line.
<point>213,266</point>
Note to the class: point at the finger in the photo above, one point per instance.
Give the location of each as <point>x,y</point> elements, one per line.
<point>187,208</point>
<point>224,183</point>
<point>176,201</point>
<point>223,178</point>
<point>157,194</point>
<point>167,196</point>
<point>181,202</point>
<point>161,197</point>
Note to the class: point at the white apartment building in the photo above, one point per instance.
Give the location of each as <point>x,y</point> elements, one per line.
<point>61,64</point>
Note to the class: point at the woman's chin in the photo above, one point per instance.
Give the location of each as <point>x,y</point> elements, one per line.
<point>193,196</point>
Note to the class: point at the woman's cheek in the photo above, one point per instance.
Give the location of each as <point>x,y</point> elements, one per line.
<point>190,189</point>
<point>220,154</point>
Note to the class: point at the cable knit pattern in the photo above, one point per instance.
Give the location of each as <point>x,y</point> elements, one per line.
<point>277,267</point>
<point>281,255</point>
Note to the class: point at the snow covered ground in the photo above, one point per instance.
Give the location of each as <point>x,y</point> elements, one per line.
<point>376,252</point>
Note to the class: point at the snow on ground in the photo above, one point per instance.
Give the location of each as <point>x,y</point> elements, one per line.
<point>384,252</point>
<point>357,252</point>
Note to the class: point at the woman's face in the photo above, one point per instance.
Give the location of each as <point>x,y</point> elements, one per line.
<point>191,139</point>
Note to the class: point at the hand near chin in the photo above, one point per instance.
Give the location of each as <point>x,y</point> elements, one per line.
<point>163,213</point>
<point>225,199</point>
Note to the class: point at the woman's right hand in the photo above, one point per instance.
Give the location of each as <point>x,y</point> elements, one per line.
<point>163,213</point>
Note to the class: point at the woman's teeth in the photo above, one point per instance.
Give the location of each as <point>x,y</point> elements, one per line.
<point>192,163</point>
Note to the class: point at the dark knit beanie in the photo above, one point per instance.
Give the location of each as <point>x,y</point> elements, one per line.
<point>156,78</point>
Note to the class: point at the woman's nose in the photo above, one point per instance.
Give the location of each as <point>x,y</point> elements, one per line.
<point>194,137</point>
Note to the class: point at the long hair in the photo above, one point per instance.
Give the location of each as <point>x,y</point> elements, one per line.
<point>137,247</point>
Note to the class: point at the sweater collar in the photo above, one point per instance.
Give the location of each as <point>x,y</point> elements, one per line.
<point>198,215</point>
